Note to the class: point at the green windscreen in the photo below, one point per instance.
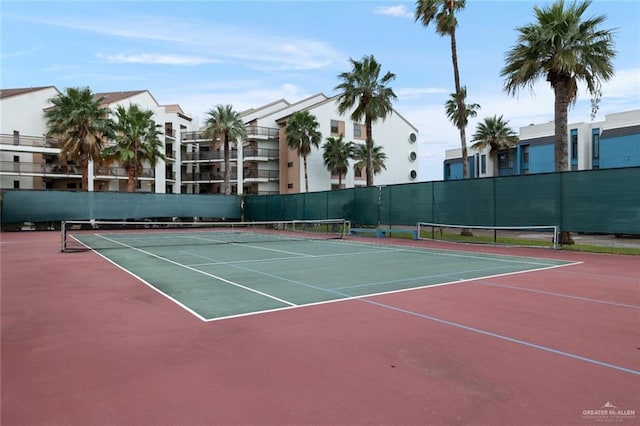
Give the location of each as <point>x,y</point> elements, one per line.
<point>603,201</point>
<point>606,201</point>
<point>45,206</point>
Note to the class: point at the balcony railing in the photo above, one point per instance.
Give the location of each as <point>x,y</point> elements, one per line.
<point>20,140</point>
<point>262,174</point>
<point>252,132</point>
<point>252,152</point>
<point>168,131</point>
<point>206,176</point>
<point>209,155</point>
<point>115,171</point>
<point>39,168</point>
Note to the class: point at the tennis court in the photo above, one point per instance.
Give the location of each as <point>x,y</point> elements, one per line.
<point>170,327</point>
<point>220,272</point>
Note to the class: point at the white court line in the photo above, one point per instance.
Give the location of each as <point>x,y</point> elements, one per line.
<point>233,262</point>
<point>176,301</point>
<point>568,296</point>
<point>286,302</point>
<point>467,255</point>
<point>364,297</point>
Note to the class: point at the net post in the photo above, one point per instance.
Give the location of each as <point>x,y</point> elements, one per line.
<point>555,237</point>
<point>63,236</point>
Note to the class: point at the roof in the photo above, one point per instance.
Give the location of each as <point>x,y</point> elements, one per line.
<point>619,132</point>
<point>113,97</point>
<point>6,93</point>
<point>541,140</point>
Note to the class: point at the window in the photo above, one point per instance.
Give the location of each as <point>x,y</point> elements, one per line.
<point>524,165</point>
<point>335,127</point>
<point>290,164</point>
<point>290,185</point>
<point>16,184</point>
<point>503,159</point>
<point>357,131</point>
<point>596,146</point>
<point>574,145</point>
<point>447,170</point>
<point>483,164</point>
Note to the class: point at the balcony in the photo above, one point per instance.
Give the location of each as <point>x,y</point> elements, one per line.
<point>209,155</point>
<point>257,154</point>
<point>206,176</point>
<point>41,169</point>
<point>121,172</point>
<point>264,133</point>
<point>33,141</point>
<point>169,132</point>
<point>264,175</point>
<point>253,132</point>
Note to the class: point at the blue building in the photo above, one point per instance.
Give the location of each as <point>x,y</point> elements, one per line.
<point>614,142</point>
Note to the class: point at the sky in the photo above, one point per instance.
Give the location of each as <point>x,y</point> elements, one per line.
<point>249,53</point>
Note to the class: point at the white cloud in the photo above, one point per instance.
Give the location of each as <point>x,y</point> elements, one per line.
<point>155,59</point>
<point>411,93</point>
<point>399,11</point>
<point>194,42</point>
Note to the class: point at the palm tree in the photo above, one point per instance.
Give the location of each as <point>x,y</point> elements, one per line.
<point>443,12</point>
<point>494,133</point>
<point>137,142</point>
<point>226,124</point>
<point>368,92</point>
<point>81,124</point>
<point>451,109</point>
<point>336,155</point>
<point>302,134</point>
<point>564,49</point>
<point>378,157</point>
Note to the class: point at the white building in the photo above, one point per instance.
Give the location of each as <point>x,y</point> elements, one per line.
<point>264,165</point>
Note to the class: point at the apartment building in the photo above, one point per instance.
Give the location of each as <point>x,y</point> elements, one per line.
<point>29,160</point>
<point>610,143</point>
<point>269,166</point>
<point>194,163</point>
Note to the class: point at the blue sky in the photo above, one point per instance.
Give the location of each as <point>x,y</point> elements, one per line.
<point>248,53</point>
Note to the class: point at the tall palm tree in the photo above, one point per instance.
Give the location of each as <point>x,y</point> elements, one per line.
<point>302,134</point>
<point>336,155</point>
<point>494,133</point>
<point>81,124</point>
<point>137,142</point>
<point>226,124</point>
<point>443,13</point>
<point>364,88</point>
<point>565,49</point>
<point>378,157</point>
<point>451,109</point>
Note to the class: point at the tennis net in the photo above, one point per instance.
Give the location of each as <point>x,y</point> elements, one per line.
<point>101,235</point>
<point>527,236</point>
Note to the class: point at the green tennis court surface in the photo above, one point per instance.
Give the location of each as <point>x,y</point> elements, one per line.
<point>219,280</point>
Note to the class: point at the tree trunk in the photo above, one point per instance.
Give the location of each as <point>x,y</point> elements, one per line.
<point>131,182</point>
<point>461,115</point>
<point>306,175</point>
<point>561,152</point>
<point>368,125</point>
<point>227,169</point>
<point>461,108</point>
<point>84,167</point>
